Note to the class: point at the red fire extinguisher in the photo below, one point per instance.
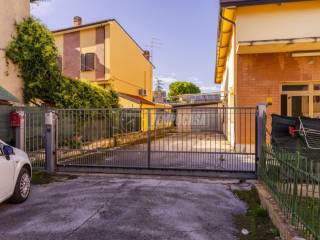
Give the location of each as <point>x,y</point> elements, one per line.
<point>15,119</point>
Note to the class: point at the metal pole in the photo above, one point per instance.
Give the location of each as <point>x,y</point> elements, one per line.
<point>20,132</point>
<point>260,135</point>
<point>149,137</point>
<point>50,153</point>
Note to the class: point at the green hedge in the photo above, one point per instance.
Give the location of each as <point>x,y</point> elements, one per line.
<point>83,94</point>
<point>33,49</point>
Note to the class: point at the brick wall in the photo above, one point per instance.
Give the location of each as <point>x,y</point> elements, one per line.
<point>259,76</point>
<point>100,53</point>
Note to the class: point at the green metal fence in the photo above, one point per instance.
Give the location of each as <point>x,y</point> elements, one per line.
<point>6,132</point>
<point>291,179</point>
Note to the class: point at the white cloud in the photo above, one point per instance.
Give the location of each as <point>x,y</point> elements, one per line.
<point>194,80</point>
<point>167,79</point>
<point>41,9</point>
<point>208,89</point>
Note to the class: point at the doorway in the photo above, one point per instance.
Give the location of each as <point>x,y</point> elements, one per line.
<point>300,100</point>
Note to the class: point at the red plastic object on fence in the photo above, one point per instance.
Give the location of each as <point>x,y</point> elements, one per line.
<point>15,119</point>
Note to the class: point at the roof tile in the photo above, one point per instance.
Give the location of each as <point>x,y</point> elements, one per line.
<point>226,3</point>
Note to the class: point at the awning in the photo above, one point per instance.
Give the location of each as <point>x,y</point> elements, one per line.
<point>136,99</point>
<point>7,96</point>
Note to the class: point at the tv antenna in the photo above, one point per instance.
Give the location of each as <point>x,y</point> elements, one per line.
<point>154,44</point>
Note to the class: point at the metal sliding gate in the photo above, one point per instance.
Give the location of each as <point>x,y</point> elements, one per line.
<point>189,139</point>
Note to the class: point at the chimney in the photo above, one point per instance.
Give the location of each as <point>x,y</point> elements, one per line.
<point>77,21</point>
<point>146,54</point>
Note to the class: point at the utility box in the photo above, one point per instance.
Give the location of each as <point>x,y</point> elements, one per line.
<point>50,139</point>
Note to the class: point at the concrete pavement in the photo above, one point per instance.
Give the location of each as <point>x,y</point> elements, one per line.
<point>122,207</point>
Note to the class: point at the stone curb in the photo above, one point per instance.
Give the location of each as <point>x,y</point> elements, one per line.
<point>287,231</point>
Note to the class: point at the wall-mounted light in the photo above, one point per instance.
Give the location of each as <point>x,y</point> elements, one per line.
<point>305,54</point>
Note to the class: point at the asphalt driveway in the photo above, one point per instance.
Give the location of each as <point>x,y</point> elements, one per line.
<point>122,207</point>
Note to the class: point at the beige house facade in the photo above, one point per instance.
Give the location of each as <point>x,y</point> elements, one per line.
<point>11,12</point>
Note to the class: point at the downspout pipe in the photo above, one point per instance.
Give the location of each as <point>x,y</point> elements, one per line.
<point>226,19</point>
<point>234,44</point>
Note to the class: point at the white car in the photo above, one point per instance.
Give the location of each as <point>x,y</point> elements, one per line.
<point>15,174</point>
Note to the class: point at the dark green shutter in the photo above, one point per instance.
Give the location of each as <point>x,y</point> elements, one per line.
<point>83,62</point>
<point>90,61</point>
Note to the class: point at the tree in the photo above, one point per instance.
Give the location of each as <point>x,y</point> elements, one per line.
<point>33,50</point>
<point>179,88</point>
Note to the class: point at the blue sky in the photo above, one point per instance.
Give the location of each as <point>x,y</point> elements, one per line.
<point>184,31</point>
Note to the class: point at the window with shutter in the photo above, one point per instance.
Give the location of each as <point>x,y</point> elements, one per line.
<point>83,62</point>
<point>90,61</point>
<point>87,62</point>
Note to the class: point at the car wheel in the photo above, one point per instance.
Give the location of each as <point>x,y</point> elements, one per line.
<point>22,188</point>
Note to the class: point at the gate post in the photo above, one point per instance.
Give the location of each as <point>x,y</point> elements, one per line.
<point>18,123</point>
<point>260,130</point>
<point>149,137</point>
<point>50,140</point>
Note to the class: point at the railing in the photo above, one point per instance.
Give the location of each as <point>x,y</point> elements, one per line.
<point>6,132</point>
<point>216,138</point>
<point>35,136</point>
<point>163,138</point>
<point>85,134</point>
<point>293,181</point>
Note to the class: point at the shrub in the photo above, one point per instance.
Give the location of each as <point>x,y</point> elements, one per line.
<point>83,94</point>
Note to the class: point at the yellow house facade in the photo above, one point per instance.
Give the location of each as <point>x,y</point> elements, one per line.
<point>11,85</point>
<point>105,54</point>
<point>268,51</point>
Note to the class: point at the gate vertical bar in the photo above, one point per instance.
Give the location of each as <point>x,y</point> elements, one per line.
<point>149,137</point>
<point>50,147</point>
